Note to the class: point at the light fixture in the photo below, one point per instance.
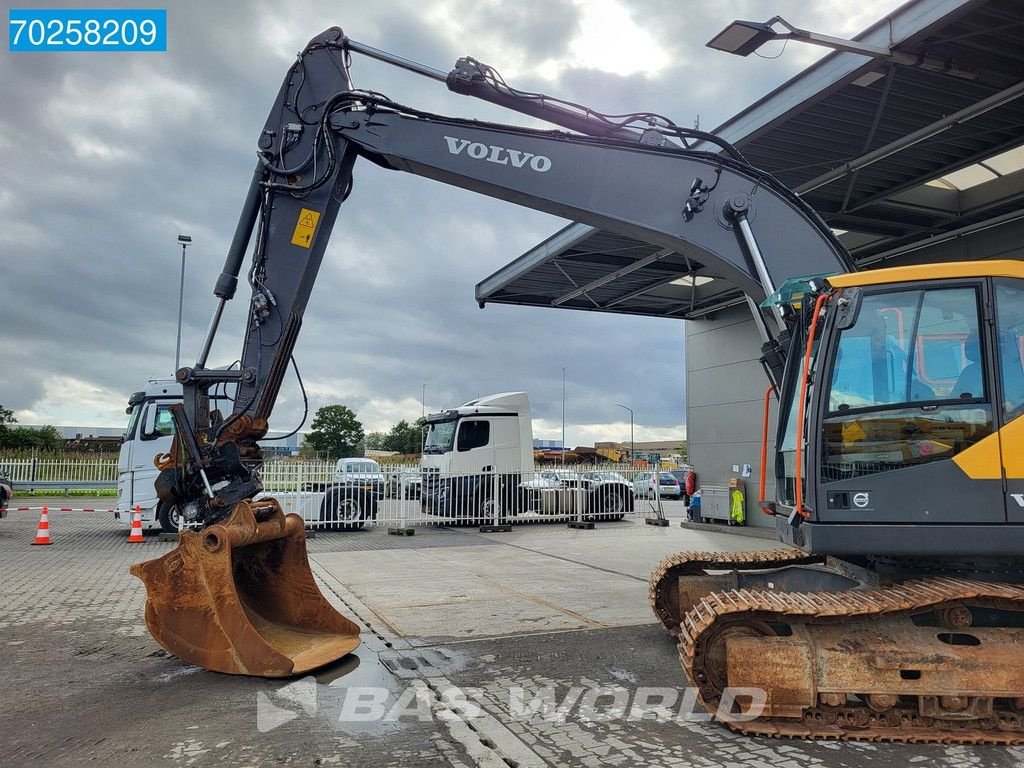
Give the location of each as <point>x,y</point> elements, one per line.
<point>744,37</point>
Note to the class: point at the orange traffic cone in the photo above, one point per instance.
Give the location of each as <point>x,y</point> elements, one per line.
<point>43,531</point>
<point>136,535</point>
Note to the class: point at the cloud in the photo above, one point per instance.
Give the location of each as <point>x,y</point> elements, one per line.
<point>107,158</point>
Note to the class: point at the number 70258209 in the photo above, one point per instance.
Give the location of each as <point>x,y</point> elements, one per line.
<point>87,30</point>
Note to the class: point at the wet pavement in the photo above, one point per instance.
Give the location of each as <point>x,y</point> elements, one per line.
<point>530,648</point>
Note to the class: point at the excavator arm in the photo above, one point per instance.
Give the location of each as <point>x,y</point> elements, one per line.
<point>647,181</point>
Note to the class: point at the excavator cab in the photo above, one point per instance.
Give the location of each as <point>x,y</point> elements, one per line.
<point>901,408</point>
<point>239,597</point>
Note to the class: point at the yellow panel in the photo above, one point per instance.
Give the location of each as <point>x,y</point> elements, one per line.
<point>982,461</point>
<point>1013,448</point>
<point>305,227</point>
<point>923,272</point>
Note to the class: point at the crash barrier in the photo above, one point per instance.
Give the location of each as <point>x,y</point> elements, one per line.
<point>399,497</point>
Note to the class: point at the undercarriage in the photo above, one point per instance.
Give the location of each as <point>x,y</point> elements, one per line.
<point>784,644</point>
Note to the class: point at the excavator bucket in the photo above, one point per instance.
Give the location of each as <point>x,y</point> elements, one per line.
<point>239,597</point>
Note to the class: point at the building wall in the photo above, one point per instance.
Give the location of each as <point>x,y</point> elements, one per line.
<point>724,401</point>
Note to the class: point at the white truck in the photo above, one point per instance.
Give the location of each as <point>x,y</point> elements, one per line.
<point>346,503</point>
<point>149,433</point>
<point>477,465</point>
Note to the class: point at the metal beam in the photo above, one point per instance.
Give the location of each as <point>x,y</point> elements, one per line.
<point>639,264</point>
<point>967,114</point>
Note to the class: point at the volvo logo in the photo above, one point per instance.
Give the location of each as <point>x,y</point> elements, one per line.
<point>492,153</point>
<point>861,500</point>
<point>1019,498</point>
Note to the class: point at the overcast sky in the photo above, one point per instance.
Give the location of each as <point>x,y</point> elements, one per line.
<point>108,157</point>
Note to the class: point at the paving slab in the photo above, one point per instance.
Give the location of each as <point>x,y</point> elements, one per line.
<point>534,579</point>
<point>500,619</point>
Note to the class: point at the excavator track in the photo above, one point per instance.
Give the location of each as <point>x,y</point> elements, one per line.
<point>662,584</point>
<point>747,616</point>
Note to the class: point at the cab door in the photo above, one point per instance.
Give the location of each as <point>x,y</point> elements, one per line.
<point>908,423</point>
<point>474,445</point>
<point>1009,331</point>
<point>154,435</point>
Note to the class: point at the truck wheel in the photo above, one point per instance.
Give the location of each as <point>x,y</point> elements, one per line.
<point>613,506</point>
<point>168,515</point>
<point>346,513</point>
<point>486,511</point>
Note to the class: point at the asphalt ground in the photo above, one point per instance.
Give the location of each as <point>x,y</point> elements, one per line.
<point>533,648</point>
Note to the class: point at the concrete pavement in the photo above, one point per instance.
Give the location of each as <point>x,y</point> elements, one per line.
<point>478,649</point>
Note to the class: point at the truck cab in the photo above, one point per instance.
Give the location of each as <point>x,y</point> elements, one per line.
<point>468,448</point>
<point>149,433</point>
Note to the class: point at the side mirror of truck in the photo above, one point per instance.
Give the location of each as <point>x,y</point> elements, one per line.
<point>149,423</point>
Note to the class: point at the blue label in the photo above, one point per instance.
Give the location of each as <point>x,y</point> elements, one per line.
<point>87,30</point>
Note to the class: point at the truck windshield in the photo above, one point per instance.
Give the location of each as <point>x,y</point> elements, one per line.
<point>439,437</point>
<point>133,419</point>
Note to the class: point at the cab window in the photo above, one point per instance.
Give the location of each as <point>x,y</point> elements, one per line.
<point>473,434</point>
<point>164,422</point>
<point>908,383</point>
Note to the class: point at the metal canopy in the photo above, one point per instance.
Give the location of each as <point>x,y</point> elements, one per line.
<point>892,156</point>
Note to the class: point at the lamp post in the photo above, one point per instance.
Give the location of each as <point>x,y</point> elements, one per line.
<point>630,431</point>
<point>563,416</point>
<point>423,417</point>
<point>185,241</point>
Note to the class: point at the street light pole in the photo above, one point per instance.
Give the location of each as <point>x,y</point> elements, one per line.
<point>631,447</point>
<point>423,416</point>
<point>185,241</point>
<point>563,416</point>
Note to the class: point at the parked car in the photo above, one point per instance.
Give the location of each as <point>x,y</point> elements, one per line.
<point>6,492</point>
<point>606,495</point>
<point>668,485</point>
<point>361,473</point>
<point>410,479</point>
<point>680,475</point>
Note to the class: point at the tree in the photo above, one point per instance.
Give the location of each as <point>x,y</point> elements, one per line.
<point>404,438</point>
<point>335,431</point>
<point>43,438</point>
<point>375,441</point>
<point>6,417</point>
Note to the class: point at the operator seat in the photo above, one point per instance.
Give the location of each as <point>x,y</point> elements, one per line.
<point>970,382</point>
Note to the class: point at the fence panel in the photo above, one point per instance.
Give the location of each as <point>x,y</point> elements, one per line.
<point>61,472</point>
<point>403,495</point>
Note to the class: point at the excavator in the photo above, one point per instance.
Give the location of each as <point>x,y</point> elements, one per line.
<point>894,610</point>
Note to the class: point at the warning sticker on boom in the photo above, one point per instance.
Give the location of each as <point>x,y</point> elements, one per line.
<point>305,227</point>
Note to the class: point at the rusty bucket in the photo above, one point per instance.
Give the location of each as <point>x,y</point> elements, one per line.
<point>239,597</point>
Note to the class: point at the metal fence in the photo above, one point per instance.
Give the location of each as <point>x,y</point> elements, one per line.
<point>76,472</point>
<point>402,496</point>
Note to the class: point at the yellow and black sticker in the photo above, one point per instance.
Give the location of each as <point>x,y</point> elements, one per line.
<point>305,227</point>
